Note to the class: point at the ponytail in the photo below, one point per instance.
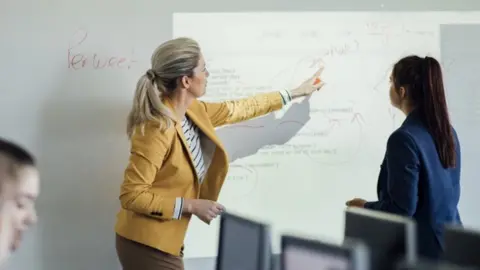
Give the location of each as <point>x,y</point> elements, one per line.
<point>170,61</point>
<point>435,112</point>
<point>423,80</point>
<point>148,106</point>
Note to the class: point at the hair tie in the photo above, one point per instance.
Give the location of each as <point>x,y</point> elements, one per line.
<point>151,75</point>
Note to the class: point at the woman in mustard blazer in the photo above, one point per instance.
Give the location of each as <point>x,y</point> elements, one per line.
<point>177,164</point>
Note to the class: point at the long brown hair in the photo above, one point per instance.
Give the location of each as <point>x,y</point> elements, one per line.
<point>423,81</point>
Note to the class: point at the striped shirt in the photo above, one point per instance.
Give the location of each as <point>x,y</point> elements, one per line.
<point>192,135</point>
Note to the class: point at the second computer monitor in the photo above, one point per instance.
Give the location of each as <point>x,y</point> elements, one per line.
<point>389,237</point>
<point>304,254</point>
<point>244,244</point>
<point>423,264</point>
<point>462,246</point>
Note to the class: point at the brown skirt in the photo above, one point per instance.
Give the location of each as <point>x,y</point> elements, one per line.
<point>136,256</point>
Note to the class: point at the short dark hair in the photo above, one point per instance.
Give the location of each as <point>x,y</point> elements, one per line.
<point>16,153</point>
<point>423,81</point>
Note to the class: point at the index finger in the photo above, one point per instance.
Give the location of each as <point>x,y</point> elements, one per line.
<point>319,72</point>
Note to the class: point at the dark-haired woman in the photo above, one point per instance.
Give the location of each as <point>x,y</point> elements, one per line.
<point>420,174</point>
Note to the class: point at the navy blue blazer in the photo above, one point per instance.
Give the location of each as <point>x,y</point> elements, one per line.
<point>412,182</point>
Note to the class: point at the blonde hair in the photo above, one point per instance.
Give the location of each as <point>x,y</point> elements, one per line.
<point>170,61</point>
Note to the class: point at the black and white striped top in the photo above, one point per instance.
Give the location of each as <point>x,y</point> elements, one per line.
<point>192,136</point>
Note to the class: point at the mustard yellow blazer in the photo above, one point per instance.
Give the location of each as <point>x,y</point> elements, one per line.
<point>160,169</point>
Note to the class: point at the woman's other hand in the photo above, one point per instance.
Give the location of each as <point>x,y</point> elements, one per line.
<point>357,202</point>
<point>205,210</point>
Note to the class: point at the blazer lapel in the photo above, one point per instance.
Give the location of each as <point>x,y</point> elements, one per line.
<point>202,125</point>
<point>209,132</point>
<point>178,127</point>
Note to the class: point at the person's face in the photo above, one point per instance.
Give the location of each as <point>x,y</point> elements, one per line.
<point>197,83</point>
<point>7,210</point>
<point>17,213</point>
<point>396,95</point>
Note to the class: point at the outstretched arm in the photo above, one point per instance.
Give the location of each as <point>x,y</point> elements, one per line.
<point>235,111</point>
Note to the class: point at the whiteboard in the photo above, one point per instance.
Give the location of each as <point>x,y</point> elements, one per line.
<point>296,168</point>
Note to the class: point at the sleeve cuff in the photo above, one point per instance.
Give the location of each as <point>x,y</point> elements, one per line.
<point>286,97</point>
<point>177,212</point>
<point>370,205</point>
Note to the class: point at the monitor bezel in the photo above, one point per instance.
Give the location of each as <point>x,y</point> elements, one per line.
<point>264,261</point>
<point>451,234</point>
<point>354,250</point>
<point>411,255</point>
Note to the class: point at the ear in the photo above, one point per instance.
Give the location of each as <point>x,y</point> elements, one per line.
<point>184,82</point>
<point>402,92</point>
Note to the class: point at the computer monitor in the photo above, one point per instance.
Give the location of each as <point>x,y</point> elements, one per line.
<point>389,237</point>
<point>423,264</point>
<point>462,246</point>
<point>243,244</point>
<point>304,254</point>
